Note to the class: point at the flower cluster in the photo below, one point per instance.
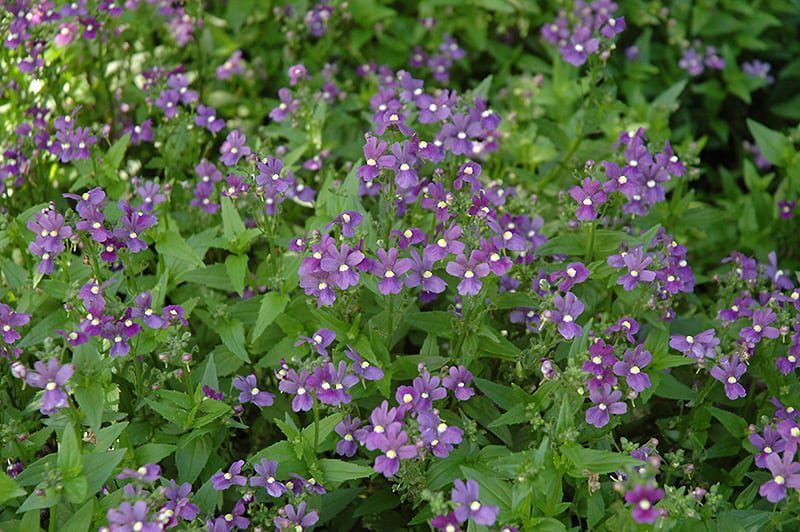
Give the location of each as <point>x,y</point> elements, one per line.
<point>580,35</point>
<point>694,61</point>
<point>640,179</point>
<point>776,447</point>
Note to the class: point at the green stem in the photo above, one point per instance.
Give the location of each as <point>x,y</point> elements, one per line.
<point>590,243</point>
<point>316,426</point>
<point>390,323</point>
<point>51,527</point>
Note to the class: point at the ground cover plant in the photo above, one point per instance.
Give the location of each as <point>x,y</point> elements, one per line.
<point>371,265</point>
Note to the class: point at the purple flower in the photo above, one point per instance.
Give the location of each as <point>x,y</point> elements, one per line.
<point>470,271</point>
<point>178,501</point>
<point>437,435</point>
<point>341,264</point>
<point>762,318</point>
<point>180,83</point>
<point>573,274</point>
<point>320,340</point>
<point>567,310</point>
<point>266,471</point>
<point>447,523</point>
<point>167,101</point>
<point>405,175</point>
<point>393,118</point>
<point>631,366</point>
<point>234,148</point>
<point>394,448</point>
<point>589,195</point>
<point>9,320</point>
<point>469,172</point>
<point>293,519</point>
<point>786,209</point>
<point>133,223</point>
<point>636,263</point>
<point>758,69</point>
<point>691,62</point>
<point>348,221</point>
<point>581,45</point>
<point>297,73</point>
<point>465,495</point>
<point>361,367</point>
<point>605,402</point>
<point>222,481</point>
<point>331,383</point>
<point>231,520</point>
<point>346,430</point>
<point>131,518</point>
<point>627,326</point>
<point>457,134</point>
<point>789,430</point>
<point>700,346</point>
<point>600,365</point>
<point>728,372</point>
<point>233,65</point>
<point>771,442</point>
<point>458,382</point>
<point>421,273</point>
<point>249,392</point>
<point>298,386</point>
<point>146,473</point>
<point>211,393</point>
<point>643,498</point>
<point>207,118</point>
<point>288,105</point>
<point>382,419</point>
<point>375,159</point>
<point>144,311</point>
<point>52,377</point>
<point>785,474</point>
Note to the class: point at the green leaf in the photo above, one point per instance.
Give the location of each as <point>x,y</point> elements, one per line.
<point>435,322</point>
<point>326,426</point>
<point>9,488</point>
<point>272,305</point>
<point>336,471</point>
<point>91,399</point>
<point>152,453</point>
<point>97,468</point>
<point>81,520</point>
<point>232,334</point>
<point>70,460</point>
<point>75,489</point>
<point>173,246</point>
<point>595,460</point>
<point>669,97</point>
<point>191,458</point>
<point>236,266</point>
<point>505,397</point>
<point>670,388</point>
<point>735,425</point>
<point>774,146</point>
<point>116,152</point>
<point>232,223</point>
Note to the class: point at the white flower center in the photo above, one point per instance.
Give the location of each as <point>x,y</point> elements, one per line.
<point>731,380</point>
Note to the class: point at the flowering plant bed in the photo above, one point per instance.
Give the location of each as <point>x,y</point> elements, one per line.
<point>489,265</point>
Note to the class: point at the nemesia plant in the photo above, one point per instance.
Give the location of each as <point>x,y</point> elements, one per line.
<point>368,265</point>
